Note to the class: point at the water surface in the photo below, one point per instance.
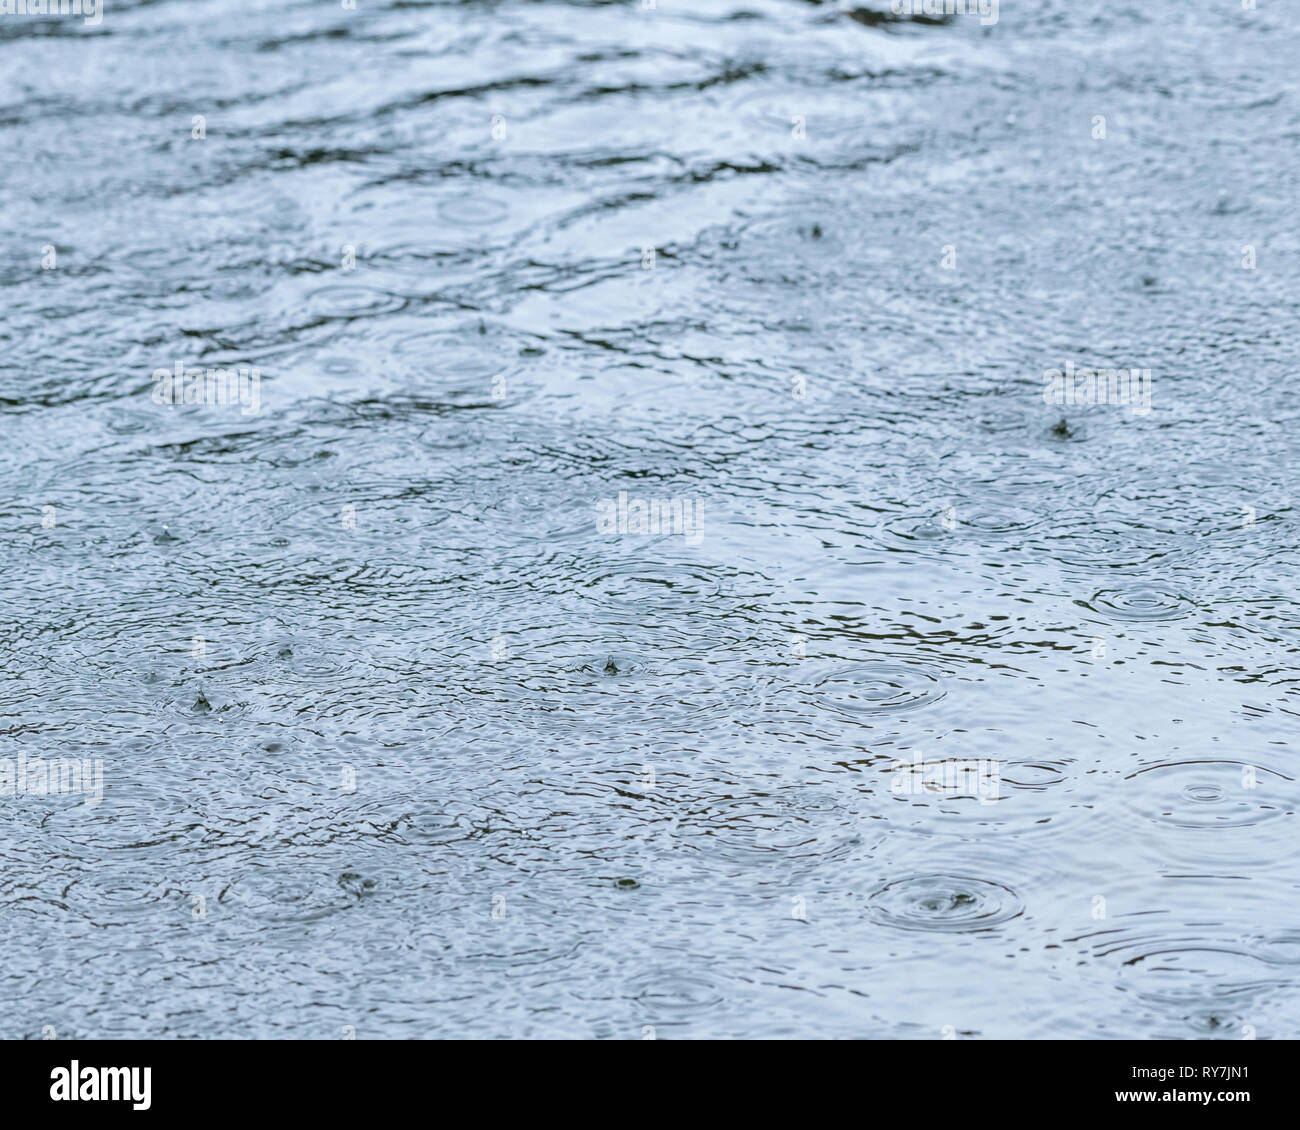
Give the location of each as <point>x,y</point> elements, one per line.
<point>396,740</point>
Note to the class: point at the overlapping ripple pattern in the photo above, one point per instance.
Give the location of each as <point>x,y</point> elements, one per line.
<point>395,737</point>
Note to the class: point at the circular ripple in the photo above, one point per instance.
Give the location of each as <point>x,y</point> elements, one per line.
<point>352,301</point>
<point>145,823</point>
<point>471,355</point>
<point>529,518</point>
<point>653,582</point>
<point>944,903</point>
<point>802,245</point>
<point>1203,795</point>
<point>677,991</point>
<point>926,533</point>
<point>768,114</point>
<point>434,827</point>
<point>787,827</point>
<point>1141,603</point>
<point>999,519</point>
<point>1033,774</point>
<point>1277,949</point>
<point>1190,971</point>
<point>879,688</point>
<point>610,665</point>
<point>473,210</point>
<point>111,900</point>
<point>422,259</point>
<point>289,896</point>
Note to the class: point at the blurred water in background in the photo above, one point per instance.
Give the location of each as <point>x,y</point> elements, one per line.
<point>395,738</point>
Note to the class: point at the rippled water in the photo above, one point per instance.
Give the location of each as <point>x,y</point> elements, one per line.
<point>396,737</point>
